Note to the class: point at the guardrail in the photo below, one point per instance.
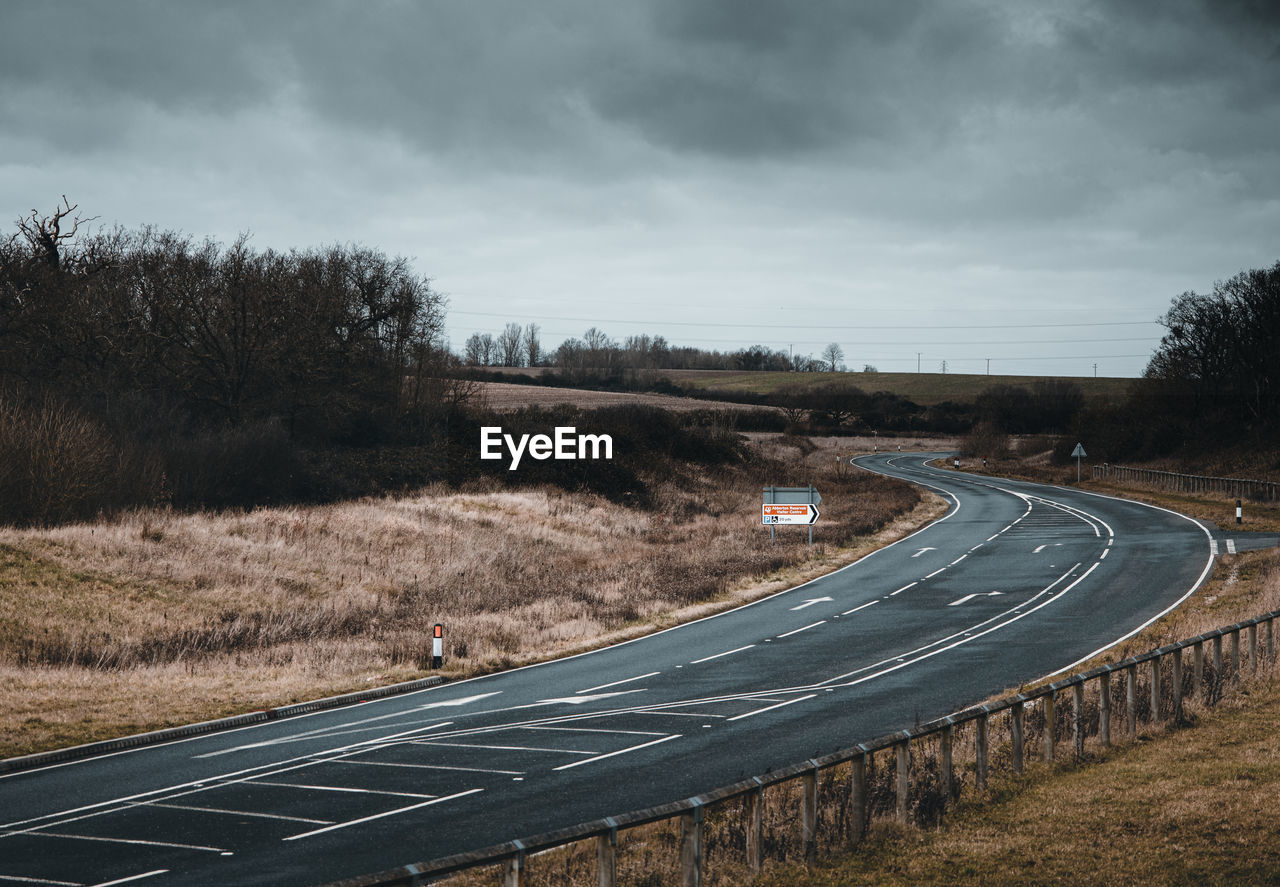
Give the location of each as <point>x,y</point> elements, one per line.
<point>1105,702</point>
<point>1232,487</point>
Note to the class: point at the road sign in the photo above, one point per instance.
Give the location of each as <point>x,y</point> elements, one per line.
<point>781,515</point>
<point>1078,452</point>
<point>792,496</point>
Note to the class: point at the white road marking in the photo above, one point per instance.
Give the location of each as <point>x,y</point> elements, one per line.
<point>621,751</point>
<point>922,551</point>
<point>135,841</point>
<point>1231,546</point>
<point>597,730</point>
<point>237,812</point>
<point>867,604</point>
<point>1105,552</point>
<point>810,603</point>
<point>557,751</point>
<point>340,788</point>
<point>969,597</point>
<point>752,714</point>
<point>20,879</point>
<point>903,588</point>
<point>431,767</point>
<point>725,653</point>
<point>395,812</point>
<point>935,573</point>
<point>806,628</point>
<point>130,878</point>
<point>639,677</point>
<point>957,560</point>
<point>1213,547</point>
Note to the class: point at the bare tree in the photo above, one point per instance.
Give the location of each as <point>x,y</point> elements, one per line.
<point>45,234</point>
<point>532,345</point>
<point>832,355</point>
<point>479,350</point>
<point>510,345</point>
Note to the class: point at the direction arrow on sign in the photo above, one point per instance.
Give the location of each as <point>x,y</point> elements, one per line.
<point>780,515</point>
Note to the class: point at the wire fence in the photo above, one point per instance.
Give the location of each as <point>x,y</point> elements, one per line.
<point>1231,487</point>
<point>911,776</point>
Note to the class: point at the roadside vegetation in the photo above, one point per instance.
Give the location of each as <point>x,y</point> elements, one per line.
<point>157,617</point>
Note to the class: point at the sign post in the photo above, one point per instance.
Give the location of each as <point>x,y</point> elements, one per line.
<point>437,646</point>
<point>1079,453</point>
<point>790,506</point>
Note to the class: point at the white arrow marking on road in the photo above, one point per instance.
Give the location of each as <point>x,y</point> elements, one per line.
<point>1043,547</point>
<point>922,551</point>
<point>578,700</point>
<point>810,603</point>
<point>969,597</point>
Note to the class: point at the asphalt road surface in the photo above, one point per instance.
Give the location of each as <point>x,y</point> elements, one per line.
<point>1017,581</point>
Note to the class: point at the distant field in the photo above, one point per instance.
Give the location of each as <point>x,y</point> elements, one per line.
<point>506,396</point>
<point>923,388</point>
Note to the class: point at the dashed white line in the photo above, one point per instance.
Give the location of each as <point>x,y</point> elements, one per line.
<point>639,677</point>
<point>621,751</point>
<point>561,751</point>
<point>21,880</point>
<point>957,560</point>
<point>383,815</point>
<point>806,628</point>
<point>126,880</point>
<point>935,573</point>
<point>760,711</point>
<point>902,589</point>
<point>867,604</point>
<point>718,655</point>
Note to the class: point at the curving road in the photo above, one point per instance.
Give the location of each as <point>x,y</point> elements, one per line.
<point>1016,581</point>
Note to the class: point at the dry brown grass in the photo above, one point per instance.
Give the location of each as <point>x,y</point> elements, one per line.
<point>158,618</point>
<point>507,396</point>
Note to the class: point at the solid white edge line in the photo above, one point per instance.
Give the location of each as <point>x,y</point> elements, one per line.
<point>798,630</point>
<point>23,880</point>
<point>383,815</point>
<point>639,677</point>
<point>718,655</point>
<point>752,714</point>
<point>621,751</point>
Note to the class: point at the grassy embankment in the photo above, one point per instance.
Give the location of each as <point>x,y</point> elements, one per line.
<point>158,618</point>
<point>925,389</point>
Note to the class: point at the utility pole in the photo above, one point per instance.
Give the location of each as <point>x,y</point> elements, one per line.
<point>918,361</point>
<point>988,366</point>
<point>1095,371</point>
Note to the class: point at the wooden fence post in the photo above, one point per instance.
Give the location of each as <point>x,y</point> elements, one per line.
<point>1217,662</point>
<point>809,812</point>
<point>691,848</point>
<point>753,821</point>
<point>1077,718</point>
<point>903,749</point>
<point>944,752</point>
<point>858,798</point>
<point>1253,648</point>
<point>1271,646</point>
<point>1235,655</point>
<point>607,859</point>
<point>1155,688</point>
<point>1050,726</point>
<point>1104,709</point>
<point>1177,685</point>
<point>980,752</point>
<point>1131,698</point>
<point>1197,668</point>
<point>513,874</point>
<point>1015,730</point>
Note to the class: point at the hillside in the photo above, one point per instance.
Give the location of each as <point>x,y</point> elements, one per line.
<point>925,389</point>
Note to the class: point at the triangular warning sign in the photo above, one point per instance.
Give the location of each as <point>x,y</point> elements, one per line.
<point>1078,452</point>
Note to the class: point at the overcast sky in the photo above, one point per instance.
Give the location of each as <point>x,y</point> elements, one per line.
<point>959,180</point>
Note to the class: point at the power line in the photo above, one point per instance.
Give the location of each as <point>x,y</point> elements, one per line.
<point>820,326</point>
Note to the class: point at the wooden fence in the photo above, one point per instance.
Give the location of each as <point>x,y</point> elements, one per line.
<point>1104,704</point>
<point>1230,487</point>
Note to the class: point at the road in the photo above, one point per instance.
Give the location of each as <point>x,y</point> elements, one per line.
<point>1016,581</point>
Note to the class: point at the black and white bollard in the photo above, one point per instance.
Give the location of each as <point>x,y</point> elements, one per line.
<point>1239,512</point>
<point>957,465</point>
<point>437,646</point>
